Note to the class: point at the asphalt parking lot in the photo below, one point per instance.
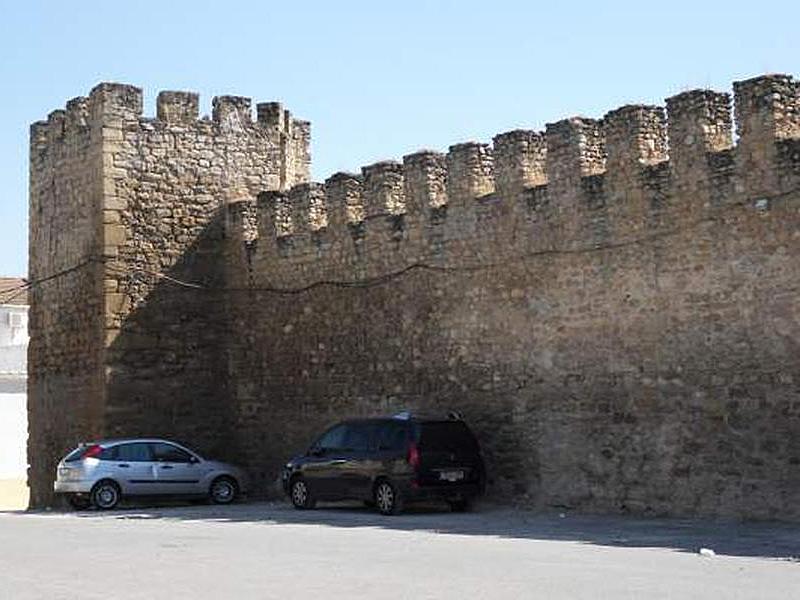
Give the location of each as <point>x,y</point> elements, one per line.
<point>269,550</point>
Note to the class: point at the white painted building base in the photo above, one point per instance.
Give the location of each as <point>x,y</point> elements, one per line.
<point>13,453</point>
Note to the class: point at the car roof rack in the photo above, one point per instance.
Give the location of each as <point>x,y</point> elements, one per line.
<point>407,415</point>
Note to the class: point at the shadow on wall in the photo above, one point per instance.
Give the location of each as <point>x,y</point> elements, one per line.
<point>184,355</point>
<point>167,366</point>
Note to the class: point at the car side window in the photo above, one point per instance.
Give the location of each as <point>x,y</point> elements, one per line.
<point>169,453</point>
<point>135,452</point>
<point>109,453</point>
<point>333,439</point>
<point>392,436</point>
<point>357,437</point>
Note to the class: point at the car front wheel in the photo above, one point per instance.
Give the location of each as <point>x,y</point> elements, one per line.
<point>300,494</point>
<point>223,490</point>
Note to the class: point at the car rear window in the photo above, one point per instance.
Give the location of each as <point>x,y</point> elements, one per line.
<point>446,435</point>
<point>76,454</point>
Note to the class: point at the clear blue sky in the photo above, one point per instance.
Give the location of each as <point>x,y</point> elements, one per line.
<point>377,79</point>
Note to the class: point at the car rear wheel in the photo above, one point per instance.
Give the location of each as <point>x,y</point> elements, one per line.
<point>387,498</point>
<point>105,495</point>
<point>223,490</point>
<point>301,495</point>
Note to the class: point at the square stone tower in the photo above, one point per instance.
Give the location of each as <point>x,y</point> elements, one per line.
<point>119,205</point>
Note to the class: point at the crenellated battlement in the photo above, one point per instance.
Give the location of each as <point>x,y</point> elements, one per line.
<point>580,182</point>
<point>114,106</point>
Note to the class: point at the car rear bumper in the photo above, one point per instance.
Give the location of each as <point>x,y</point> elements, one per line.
<point>461,491</point>
<point>82,486</point>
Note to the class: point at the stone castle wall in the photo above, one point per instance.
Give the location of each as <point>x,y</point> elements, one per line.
<point>65,390</point>
<point>612,303</point>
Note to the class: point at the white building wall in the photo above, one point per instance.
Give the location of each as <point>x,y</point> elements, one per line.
<point>13,399</point>
<point>13,339</point>
<point>13,436</point>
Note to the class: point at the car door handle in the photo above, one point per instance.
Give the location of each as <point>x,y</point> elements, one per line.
<point>166,466</point>
<point>123,465</point>
<point>339,461</point>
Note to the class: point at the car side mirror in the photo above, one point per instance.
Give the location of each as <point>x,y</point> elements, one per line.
<point>194,460</point>
<point>316,451</point>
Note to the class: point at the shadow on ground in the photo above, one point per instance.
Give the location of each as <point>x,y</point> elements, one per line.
<point>748,539</point>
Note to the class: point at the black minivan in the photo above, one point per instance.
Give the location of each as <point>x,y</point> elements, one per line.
<point>387,462</point>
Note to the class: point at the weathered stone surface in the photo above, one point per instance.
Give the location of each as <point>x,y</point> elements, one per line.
<point>620,324</point>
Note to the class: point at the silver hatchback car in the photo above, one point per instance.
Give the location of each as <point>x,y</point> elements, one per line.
<point>100,474</point>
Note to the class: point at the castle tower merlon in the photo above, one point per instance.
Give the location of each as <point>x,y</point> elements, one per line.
<point>767,110</point>
<point>272,115</point>
<point>767,107</point>
<point>307,206</point>
<point>238,221</point>
<point>520,161</point>
<point>636,136</point>
<point>39,132</point>
<point>575,149</point>
<point>77,114</point>
<point>343,201</point>
<point>383,190</point>
<point>114,103</point>
<point>178,107</point>
<point>425,180</point>
<point>470,173</point>
<point>298,150</point>
<point>56,125</point>
<point>343,207</point>
<point>240,232</point>
<point>232,113</point>
<point>698,123</point>
<point>271,219</point>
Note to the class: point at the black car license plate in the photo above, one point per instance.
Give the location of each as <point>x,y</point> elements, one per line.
<point>452,476</point>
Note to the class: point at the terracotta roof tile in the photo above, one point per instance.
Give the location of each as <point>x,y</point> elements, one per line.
<point>17,297</point>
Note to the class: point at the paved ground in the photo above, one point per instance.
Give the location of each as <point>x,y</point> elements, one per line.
<point>271,551</point>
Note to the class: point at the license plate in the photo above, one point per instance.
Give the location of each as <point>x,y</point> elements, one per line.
<point>451,475</point>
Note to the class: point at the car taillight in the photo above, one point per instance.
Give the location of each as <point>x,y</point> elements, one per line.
<point>413,456</point>
<point>92,451</point>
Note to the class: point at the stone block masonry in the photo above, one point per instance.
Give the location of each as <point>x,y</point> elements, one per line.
<point>612,303</point>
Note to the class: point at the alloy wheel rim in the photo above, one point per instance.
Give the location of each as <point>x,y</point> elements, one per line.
<point>223,491</point>
<point>385,498</point>
<point>106,496</point>
<point>299,493</point>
